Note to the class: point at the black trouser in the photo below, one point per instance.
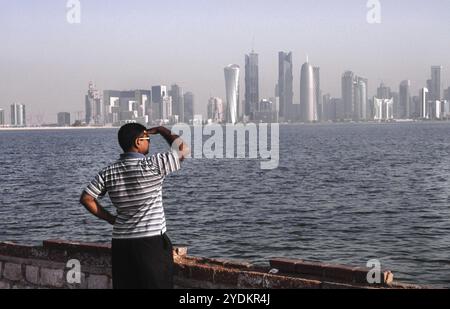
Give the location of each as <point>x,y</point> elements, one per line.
<point>144,263</point>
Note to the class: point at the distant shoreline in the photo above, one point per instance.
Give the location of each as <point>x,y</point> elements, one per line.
<point>52,128</point>
<point>284,124</point>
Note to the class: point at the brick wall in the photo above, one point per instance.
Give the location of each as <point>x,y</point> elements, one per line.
<point>46,267</point>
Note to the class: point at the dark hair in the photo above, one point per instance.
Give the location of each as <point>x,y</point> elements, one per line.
<point>128,134</point>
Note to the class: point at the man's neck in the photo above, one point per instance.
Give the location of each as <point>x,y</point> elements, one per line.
<point>132,155</point>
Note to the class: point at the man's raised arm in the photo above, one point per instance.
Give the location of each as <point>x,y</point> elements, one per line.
<point>173,140</point>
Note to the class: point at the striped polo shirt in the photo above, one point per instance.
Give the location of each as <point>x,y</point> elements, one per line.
<point>134,185</point>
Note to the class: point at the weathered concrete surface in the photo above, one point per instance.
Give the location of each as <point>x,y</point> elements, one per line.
<point>46,267</point>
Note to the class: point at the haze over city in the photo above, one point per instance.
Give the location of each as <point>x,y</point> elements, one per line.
<point>46,63</point>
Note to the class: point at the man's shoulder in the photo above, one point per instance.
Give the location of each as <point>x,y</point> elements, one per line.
<point>110,167</point>
<point>159,155</point>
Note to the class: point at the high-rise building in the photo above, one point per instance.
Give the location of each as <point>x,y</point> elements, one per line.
<point>125,106</point>
<point>361,97</point>
<point>446,109</point>
<point>415,107</point>
<point>266,112</point>
<point>435,109</point>
<point>111,99</point>
<point>405,99</point>
<point>348,94</point>
<point>429,85</point>
<point>318,94</point>
<point>232,92</point>
<point>18,116</point>
<point>251,84</point>
<point>326,99</point>
<point>336,108</point>
<point>435,83</point>
<point>216,111</point>
<point>396,101</point>
<point>384,92</point>
<point>176,92</point>
<point>189,101</point>
<point>276,101</point>
<point>94,106</point>
<point>447,94</point>
<point>2,117</point>
<point>308,111</point>
<point>158,94</point>
<point>423,103</point>
<point>354,97</point>
<point>285,84</point>
<point>128,107</point>
<point>166,112</point>
<point>63,119</point>
<point>384,109</point>
<point>143,100</point>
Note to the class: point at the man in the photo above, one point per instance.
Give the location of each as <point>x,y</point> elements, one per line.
<point>141,250</point>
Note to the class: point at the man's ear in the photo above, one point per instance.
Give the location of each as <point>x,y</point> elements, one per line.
<point>137,142</point>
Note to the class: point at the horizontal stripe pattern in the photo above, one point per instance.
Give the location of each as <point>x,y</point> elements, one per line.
<point>134,186</point>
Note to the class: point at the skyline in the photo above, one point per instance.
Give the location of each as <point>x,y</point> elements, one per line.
<point>51,59</point>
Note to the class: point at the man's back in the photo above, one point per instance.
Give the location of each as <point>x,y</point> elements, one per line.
<point>134,185</point>
<point>141,251</point>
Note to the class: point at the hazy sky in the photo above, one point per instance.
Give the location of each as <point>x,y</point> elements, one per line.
<point>47,63</point>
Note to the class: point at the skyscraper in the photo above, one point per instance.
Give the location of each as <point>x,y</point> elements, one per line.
<point>251,84</point>
<point>435,86</point>
<point>2,117</point>
<point>176,92</point>
<point>63,119</point>
<point>318,103</point>
<point>166,111</point>
<point>18,116</point>
<point>189,101</point>
<point>354,97</point>
<point>112,105</point>
<point>348,94</point>
<point>158,94</point>
<point>396,101</point>
<point>143,100</point>
<point>216,110</point>
<point>307,94</point>
<point>285,84</point>
<point>415,107</point>
<point>384,92</point>
<point>94,106</point>
<point>232,92</point>
<point>405,99</point>
<point>124,106</point>
<point>423,103</point>
<point>447,94</point>
<point>383,109</point>
<point>361,96</point>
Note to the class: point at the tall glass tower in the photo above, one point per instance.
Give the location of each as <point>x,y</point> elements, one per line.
<point>232,92</point>
<point>251,84</point>
<point>285,84</point>
<point>308,112</point>
<point>18,115</point>
<point>435,87</point>
<point>405,99</point>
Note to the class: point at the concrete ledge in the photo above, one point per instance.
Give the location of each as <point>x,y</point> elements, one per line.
<point>46,267</point>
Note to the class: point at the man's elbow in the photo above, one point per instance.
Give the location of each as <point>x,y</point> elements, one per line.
<point>184,152</point>
<point>85,199</point>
